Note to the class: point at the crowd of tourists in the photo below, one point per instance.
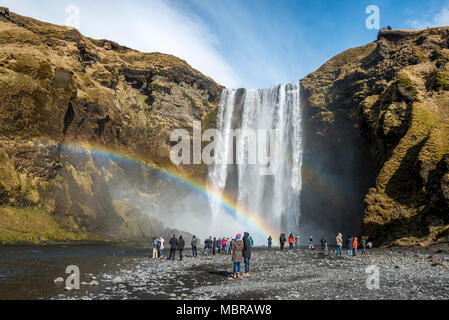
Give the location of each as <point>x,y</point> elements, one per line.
<point>240,248</point>
<point>352,243</point>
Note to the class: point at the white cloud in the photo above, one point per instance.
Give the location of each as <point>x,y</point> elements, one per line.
<point>440,19</point>
<point>151,25</point>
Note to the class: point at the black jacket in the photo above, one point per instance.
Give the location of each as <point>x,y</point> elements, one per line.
<point>173,243</point>
<point>246,246</point>
<point>282,238</point>
<point>181,243</point>
<point>363,243</point>
<point>349,242</point>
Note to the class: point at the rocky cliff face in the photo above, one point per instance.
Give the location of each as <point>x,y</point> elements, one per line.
<point>386,104</point>
<point>376,136</point>
<point>59,88</point>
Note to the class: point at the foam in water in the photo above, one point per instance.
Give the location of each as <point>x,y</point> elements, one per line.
<point>273,198</point>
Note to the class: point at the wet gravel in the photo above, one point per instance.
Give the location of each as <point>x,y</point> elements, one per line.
<point>404,273</point>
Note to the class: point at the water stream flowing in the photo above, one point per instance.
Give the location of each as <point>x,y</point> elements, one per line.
<point>271,202</point>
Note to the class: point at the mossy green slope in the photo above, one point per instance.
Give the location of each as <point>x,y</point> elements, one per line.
<point>58,87</point>
<point>395,92</point>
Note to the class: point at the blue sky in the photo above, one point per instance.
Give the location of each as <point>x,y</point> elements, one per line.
<point>240,43</point>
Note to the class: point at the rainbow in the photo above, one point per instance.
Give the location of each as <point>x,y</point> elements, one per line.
<point>226,202</point>
<point>338,189</point>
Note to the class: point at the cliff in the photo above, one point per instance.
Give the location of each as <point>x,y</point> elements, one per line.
<point>85,127</point>
<point>377,122</point>
<point>59,89</point>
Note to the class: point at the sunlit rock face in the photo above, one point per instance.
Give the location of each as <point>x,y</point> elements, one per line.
<point>60,90</point>
<point>376,128</point>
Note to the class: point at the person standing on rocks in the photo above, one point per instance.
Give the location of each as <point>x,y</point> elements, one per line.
<point>173,246</point>
<point>206,245</point>
<point>355,245</point>
<point>214,246</point>
<point>324,244</point>
<point>218,245</point>
<point>270,241</point>
<point>297,240</point>
<point>155,249</point>
<point>339,240</point>
<point>210,245</point>
<point>310,242</point>
<point>363,244</point>
<point>161,247</point>
<point>291,240</point>
<point>349,241</point>
<point>181,244</point>
<point>282,241</point>
<point>237,254</point>
<point>247,247</point>
<point>194,244</point>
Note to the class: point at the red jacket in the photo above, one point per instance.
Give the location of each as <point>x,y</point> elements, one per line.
<point>355,244</point>
<point>291,240</point>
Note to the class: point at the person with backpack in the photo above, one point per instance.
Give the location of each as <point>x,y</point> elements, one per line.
<point>173,246</point>
<point>237,254</point>
<point>194,244</point>
<point>181,244</point>
<point>155,249</point>
<point>282,240</point>
<point>291,240</point>
<point>339,240</point>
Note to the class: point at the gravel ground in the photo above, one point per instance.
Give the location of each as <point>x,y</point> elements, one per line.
<point>404,273</point>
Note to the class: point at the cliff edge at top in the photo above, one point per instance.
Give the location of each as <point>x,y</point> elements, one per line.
<point>392,98</point>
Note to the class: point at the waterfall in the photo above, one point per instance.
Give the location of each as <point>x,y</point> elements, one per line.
<point>273,199</point>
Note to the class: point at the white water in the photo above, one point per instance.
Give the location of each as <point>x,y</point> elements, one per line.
<point>273,198</point>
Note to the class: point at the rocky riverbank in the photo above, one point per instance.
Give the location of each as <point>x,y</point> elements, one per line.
<point>405,273</point>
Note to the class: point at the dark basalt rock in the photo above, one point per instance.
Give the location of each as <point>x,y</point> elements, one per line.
<point>376,121</point>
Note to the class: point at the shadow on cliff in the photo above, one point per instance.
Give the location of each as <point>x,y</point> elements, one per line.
<point>406,181</point>
<point>396,229</point>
